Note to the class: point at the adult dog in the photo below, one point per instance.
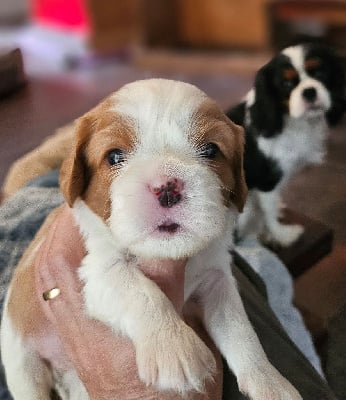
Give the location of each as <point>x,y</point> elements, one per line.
<point>156,173</point>
<point>296,98</point>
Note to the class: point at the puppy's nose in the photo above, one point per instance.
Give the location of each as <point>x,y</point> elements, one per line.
<point>309,94</point>
<point>168,191</point>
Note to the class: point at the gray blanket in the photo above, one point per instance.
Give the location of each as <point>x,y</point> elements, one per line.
<point>279,287</point>
<point>22,215</point>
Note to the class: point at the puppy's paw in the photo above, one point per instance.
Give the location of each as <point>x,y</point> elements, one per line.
<point>175,360</point>
<point>282,235</point>
<point>267,384</point>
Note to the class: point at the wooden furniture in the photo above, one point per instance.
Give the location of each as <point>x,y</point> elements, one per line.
<point>315,243</point>
<point>12,75</point>
<point>295,20</point>
<point>114,24</point>
<point>195,23</point>
<point>251,24</point>
<point>222,23</point>
<point>330,12</point>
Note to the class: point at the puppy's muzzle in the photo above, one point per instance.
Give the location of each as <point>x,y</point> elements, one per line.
<point>168,191</point>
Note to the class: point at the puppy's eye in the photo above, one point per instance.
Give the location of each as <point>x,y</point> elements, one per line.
<point>288,83</point>
<point>115,157</point>
<point>316,73</point>
<point>210,150</point>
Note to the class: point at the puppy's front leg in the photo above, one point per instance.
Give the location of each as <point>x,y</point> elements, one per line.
<point>227,323</point>
<point>276,233</point>
<point>169,354</point>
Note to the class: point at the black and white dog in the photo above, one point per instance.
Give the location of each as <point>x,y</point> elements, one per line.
<point>296,97</point>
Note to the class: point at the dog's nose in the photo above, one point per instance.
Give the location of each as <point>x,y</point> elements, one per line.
<point>309,94</point>
<point>167,190</point>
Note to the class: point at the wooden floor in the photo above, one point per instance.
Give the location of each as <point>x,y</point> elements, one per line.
<point>318,192</point>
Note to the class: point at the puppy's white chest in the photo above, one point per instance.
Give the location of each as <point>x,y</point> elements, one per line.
<point>302,142</point>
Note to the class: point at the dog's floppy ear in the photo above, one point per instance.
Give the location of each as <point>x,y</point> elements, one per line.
<point>337,89</point>
<point>239,193</point>
<point>266,112</point>
<point>74,175</point>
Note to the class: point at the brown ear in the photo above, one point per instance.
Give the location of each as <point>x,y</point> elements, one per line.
<point>74,172</point>
<point>239,193</point>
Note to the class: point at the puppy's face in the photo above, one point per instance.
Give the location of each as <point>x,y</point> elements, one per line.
<point>303,80</point>
<point>306,80</point>
<point>161,164</point>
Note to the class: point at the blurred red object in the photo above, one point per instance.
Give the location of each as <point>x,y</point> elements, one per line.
<point>64,14</point>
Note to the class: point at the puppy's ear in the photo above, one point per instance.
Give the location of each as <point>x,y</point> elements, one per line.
<point>237,113</point>
<point>239,193</point>
<point>337,90</point>
<point>74,175</point>
<point>336,112</point>
<point>266,113</point>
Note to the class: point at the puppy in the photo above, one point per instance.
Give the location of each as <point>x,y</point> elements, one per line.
<point>296,97</point>
<point>156,172</point>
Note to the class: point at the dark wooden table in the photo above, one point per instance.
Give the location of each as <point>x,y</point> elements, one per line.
<point>315,243</point>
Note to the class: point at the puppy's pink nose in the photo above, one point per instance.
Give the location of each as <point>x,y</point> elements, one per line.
<point>167,190</point>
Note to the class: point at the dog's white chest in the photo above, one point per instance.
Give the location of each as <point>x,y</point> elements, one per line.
<point>302,142</point>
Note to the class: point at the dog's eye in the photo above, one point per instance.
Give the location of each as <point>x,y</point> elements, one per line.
<point>289,83</point>
<point>210,150</point>
<point>115,157</point>
<point>316,73</point>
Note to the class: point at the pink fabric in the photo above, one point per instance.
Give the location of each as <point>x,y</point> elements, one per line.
<point>66,14</point>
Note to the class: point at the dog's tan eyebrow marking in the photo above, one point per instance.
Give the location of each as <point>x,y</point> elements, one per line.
<point>312,63</point>
<point>290,73</point>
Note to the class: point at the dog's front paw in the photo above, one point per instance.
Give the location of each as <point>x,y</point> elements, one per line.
<point>175,360</point>
<point>282,235</point>
<point>267,384</point>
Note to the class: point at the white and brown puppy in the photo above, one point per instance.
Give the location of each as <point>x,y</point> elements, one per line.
<point>156,173</point>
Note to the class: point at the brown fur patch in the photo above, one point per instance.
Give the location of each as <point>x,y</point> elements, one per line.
<point>212,126</point>
<point>312,63</point>
<point>290,73</point>
<point>86,173</point>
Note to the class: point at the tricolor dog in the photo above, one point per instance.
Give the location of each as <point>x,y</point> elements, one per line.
<point>297,96</point>
<point>156,172</point>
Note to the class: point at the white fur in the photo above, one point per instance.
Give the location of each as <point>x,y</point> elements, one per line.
<point>296,56</point>
<point>300,108</point>
<point>301,143</point>
<point>169,354</point>
<point>133,226</point>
